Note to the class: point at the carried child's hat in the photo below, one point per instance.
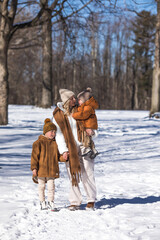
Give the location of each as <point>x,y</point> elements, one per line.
<point>85,95</point>
<point>65,94</point>
<point>48,126</point>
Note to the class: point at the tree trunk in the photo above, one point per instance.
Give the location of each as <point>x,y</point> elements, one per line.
<point>94,45</point>
<point>155,106</point>
<point>4,42</point>
<point>74,76</point>
<point>3,80</point>
<point>47,98</point>
<point>136,102</point>
<point>107,59</point>
<point>7,14</point>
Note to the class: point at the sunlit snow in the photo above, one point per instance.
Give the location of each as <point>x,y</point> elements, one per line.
<point>127,173</point>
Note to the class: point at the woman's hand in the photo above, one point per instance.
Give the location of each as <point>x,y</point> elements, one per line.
<point>65,155</point>
<point>89,132</point>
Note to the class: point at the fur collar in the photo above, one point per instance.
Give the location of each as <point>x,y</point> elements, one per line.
<point>60,106</point>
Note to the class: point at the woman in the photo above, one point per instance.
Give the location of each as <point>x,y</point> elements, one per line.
<point>68,139</point>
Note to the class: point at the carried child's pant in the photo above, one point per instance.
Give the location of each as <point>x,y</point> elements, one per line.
<point>41,188</point>
<point>87,141</point>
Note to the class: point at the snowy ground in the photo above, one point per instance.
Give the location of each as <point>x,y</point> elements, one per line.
<point>127,175</point>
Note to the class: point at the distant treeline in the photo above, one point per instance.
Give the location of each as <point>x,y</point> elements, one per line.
<point>112,56</point>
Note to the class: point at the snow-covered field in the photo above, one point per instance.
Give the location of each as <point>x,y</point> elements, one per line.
<point>127,173</point>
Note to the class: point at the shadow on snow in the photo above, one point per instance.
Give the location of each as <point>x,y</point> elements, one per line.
<point>113,202</point>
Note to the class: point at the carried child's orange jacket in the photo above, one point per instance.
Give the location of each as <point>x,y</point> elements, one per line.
<point>86,113</point>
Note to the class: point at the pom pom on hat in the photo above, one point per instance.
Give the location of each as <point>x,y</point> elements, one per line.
<point>48,126</point>
<point>89,89</point>
<point>47,120</point>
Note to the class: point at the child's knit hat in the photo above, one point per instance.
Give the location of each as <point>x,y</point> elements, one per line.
<point>65,94</point>
<point>48,126</point>
<point>85,95</point>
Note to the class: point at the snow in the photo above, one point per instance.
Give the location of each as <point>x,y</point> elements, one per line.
<point>127,173</point>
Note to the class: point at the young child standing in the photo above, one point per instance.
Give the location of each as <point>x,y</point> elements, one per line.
<point>44,163</point>
<point>86,114</point>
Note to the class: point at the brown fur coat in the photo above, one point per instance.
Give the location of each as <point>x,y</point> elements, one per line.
<point>45,157</point>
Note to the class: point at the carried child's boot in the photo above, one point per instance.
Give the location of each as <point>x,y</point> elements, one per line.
<point>94,153</point>
<point>86,151</point>
<point>43,205</point>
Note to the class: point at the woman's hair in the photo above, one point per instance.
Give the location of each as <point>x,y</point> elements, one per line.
<point>67,108</point>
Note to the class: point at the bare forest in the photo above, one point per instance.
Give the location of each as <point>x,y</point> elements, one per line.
<point>109,51</point>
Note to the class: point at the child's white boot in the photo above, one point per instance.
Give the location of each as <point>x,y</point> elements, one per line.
<point>51,206</point>
<point>43,205</point>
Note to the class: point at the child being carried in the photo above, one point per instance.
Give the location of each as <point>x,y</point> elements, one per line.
<point>86,114</point>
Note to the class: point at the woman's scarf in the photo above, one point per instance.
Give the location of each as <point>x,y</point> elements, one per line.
<point>63,122</point>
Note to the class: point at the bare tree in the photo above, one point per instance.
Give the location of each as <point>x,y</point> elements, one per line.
<point>76,66</point>
<point>8,11</point>
<point>62,10</point>
<point>47,97</point>
<point>6,24</point>
<point>155,103</point>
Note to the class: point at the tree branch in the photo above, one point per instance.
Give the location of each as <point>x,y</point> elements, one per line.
<point>13,9</point>
<point>4,8</point>
<point>34,22</point>
<point>54,4</point>
<point>74,12</point>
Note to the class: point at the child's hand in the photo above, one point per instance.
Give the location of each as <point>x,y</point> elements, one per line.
<point>89,132</point>
<point>34,172</point>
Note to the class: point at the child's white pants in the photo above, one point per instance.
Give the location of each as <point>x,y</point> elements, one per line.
<point>88,181</point>
<point>50,187</point>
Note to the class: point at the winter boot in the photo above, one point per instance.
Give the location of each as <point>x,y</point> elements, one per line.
<point>94,154</point>
<point>73,207</point>
<point>43,205</point>
<point>90,206</point>
<point>86,152</point>
<point>51,206</point>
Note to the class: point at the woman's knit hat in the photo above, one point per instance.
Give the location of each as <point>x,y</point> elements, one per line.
<point>85,95</point>
<point>65,94</point>
<point>48,126</point>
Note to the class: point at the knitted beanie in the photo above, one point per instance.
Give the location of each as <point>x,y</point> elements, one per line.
<point>48,126</point>
<point>85,95</point>
<point>65,94</point>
